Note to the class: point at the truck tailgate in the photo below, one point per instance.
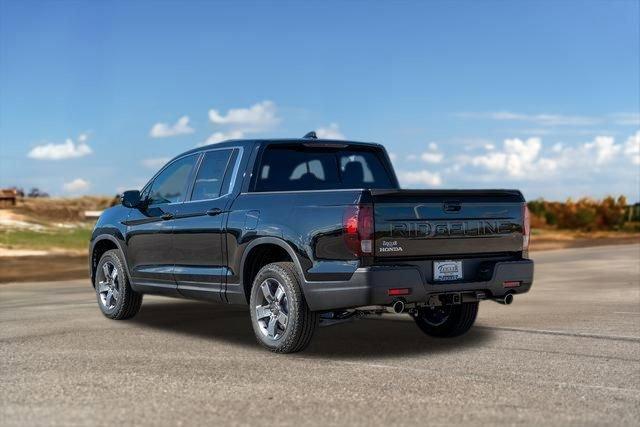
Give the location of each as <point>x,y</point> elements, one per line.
<point>438,223</point>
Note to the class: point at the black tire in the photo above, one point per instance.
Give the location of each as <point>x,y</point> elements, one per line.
<point>127,302</point>
<point>448,320</point>
<point>301,322</point>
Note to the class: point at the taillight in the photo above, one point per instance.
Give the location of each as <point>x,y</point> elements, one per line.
<point>357,229</point>
<point>526,228</point>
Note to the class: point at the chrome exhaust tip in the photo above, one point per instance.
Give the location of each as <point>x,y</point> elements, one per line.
<point>398,307</point>
<point>506,299</point>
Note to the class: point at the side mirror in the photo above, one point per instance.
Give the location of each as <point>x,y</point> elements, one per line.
<point>131,199</point>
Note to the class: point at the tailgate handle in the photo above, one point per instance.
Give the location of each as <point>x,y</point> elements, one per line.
<point>452,206</point>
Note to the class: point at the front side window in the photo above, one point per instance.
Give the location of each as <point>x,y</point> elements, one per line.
<point>208,183</point>
<point>171,184</point>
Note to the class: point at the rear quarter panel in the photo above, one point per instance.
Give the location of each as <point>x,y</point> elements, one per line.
<point>309,222</point>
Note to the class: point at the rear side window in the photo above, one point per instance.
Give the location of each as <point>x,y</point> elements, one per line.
<point>211,173</point>
<point>170,185</point>
<point>285,168</point>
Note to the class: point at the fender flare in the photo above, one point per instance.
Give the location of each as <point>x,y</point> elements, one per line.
<point>274,241</point>
<point>112,239</point>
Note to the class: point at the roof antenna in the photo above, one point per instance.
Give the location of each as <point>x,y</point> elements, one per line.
<point>310,135</point>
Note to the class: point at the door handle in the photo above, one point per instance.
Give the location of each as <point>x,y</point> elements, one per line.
<point>167,215</point>
<point>214,211</point>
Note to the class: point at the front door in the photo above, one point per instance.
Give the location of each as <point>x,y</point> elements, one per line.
<point>150,228</point>
<point>199,244</point>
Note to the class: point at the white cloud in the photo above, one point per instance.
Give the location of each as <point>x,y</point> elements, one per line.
<point>546,119</point>
<point>412,157</point>
<point>470,144</point>
<point>165,130</point>
<point>330,132</point>
<point>432,155</point>
<point>517,158</point>
<point>632,119</point>
<point>604,147</point>
<point>632,148</point>
<point>257,118</point>
<point>66,150</point>
<point>422,177</point>
<point>601,152</point>
<point>238,122</point>
<point>155,163</point>
<point>494,162</point>
<point>542,119</point>
<point>595,167</point>
<point>222,136</point>
<point>78,185</point>
<point>524,159</point>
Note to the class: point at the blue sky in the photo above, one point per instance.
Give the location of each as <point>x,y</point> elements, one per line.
<point>543,96</point>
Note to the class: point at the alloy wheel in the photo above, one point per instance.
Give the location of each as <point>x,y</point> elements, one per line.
<point>109,285</point>
<point>272,309</point>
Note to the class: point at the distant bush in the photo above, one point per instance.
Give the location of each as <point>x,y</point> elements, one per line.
<point>36,192</point>
<point>633,213</point>
<point>584,214</point>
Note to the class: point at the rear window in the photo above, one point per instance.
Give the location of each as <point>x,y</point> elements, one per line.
<point>301,168</point>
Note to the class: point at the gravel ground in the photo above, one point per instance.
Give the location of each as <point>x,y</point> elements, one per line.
<point>567,353</point>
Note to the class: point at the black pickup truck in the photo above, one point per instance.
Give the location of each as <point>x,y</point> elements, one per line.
<point>309,232</point>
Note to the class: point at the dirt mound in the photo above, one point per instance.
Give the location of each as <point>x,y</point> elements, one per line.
<point>61,209</point>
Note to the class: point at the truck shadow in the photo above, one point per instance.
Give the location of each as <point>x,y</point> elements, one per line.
<point>377,337</point>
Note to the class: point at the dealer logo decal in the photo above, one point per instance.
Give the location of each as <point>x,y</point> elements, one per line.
<point>390,247</point>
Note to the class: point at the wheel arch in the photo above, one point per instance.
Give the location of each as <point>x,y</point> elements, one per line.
<point>263,251</point>
<point>99,246</point>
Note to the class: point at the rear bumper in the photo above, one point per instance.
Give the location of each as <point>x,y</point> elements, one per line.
<point>369,285</point>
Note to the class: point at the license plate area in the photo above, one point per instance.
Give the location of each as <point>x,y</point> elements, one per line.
<point>447,271</point>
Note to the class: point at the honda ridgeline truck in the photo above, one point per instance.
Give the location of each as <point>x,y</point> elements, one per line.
<point>309,232</point>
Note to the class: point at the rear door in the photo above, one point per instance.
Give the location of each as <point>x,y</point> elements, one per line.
<point>198,246</point>
<point>149,229</point>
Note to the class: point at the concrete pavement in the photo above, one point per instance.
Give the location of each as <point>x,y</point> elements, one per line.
<point>567,353</point>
